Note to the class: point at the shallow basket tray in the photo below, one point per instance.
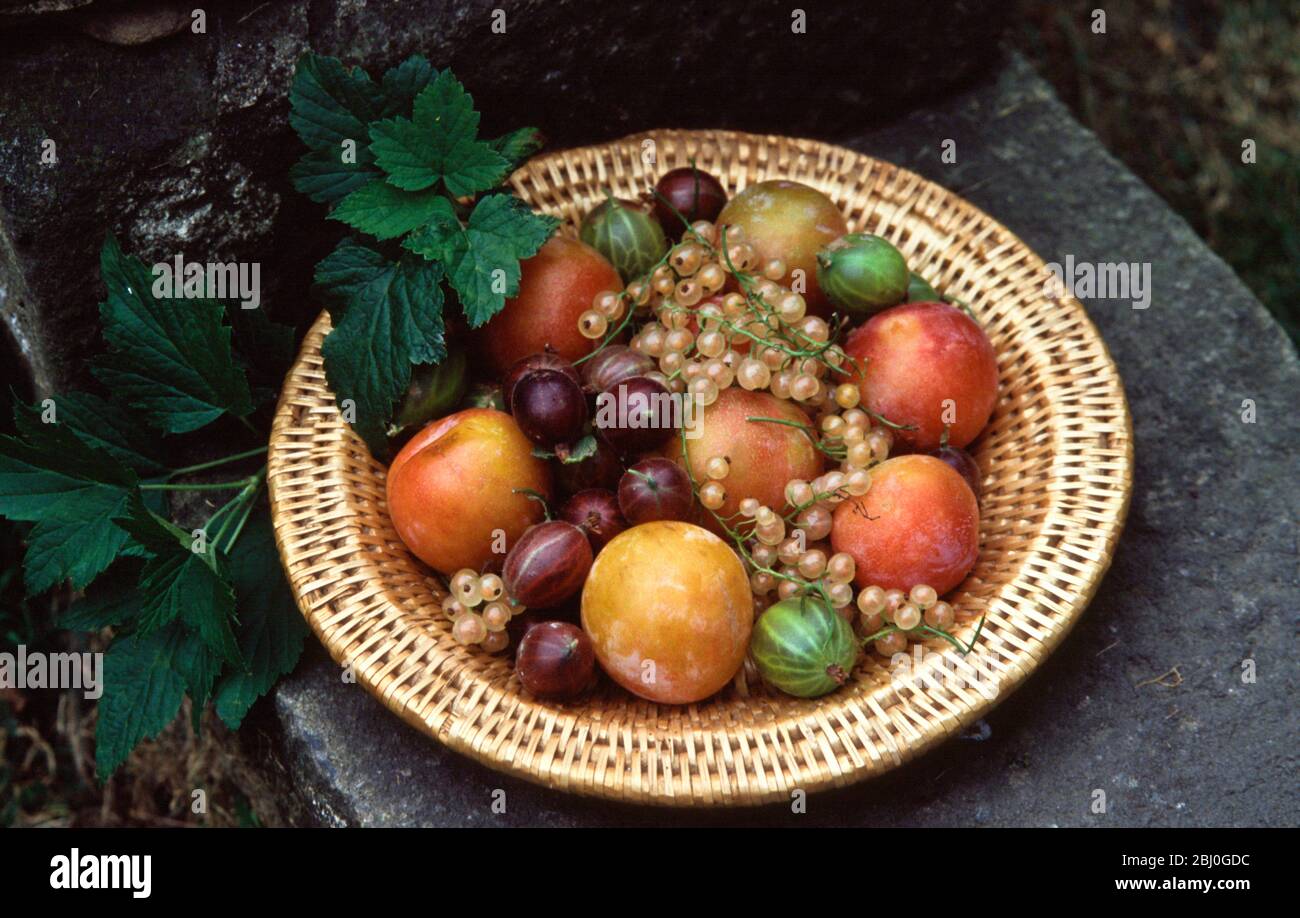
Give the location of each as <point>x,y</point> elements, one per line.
<point>1057,465</point>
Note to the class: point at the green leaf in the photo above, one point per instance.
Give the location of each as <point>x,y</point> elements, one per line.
<point>103,425</point>
<point>169,358</point>
<point>178,584</point>
<point>72,491</point>
<point>330,103</point>
<point>482,259</point>
<point>404,82</point>
<point>76,548</point>
<point>271,630</point>
<point>438,143</point>
<point>198,665</point>
<point>112,600</point>
<point>387,316</point>
<point>518,146</point>
<point>264,349</point>
<point>142,693</point>
<point>386,212</point>
<point>583,449</point>
<point>323,176</point>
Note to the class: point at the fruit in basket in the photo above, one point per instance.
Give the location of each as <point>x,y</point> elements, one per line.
<point>965,465</point>
<point>655,489</point>
<point>614,364</point>
<point>928,366</point>
<point>555,660</point>
<point>636,415</point>
<point>543,360</point>
<point>762,456</point>
<point>601,469</point>
<point>687,192</point>
<point>862,273</point>
<point>669,611</point>
<point>631,239</point>
<point>804,648</point>
<point>920,291</point>
<point>918,524</point>
<point>547,565</point>
<point>595,511</point>
<point>435,389</point>
<point>457,485</point>
<point>789,221</point>
<point>549,407</point>
<point>556,286</point>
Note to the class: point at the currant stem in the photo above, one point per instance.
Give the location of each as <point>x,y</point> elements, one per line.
<point>243,504</point>
<point>224,460</point>
<point>213,486</point>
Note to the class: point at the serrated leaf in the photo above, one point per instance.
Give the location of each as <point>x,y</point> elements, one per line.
<point>75,549</point>
<point>323,176</point>
<point>271,630</point>
<point>72,491</point>
<point>404,82</point>
<point>438,143</point>
<point>103,425</point>
<point>387,316</point>
<point>518,146</point>
<point>178,584</point>
<point>198,665</point>
<point>385,211</point>
<point>112,600</point>
<point>169,358</point>
<point>142,693</point>
<point>330,103</point>
<point>482,259</point>
<point>263,349</point>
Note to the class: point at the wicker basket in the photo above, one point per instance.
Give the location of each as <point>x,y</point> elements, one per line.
<point>1057,458</point>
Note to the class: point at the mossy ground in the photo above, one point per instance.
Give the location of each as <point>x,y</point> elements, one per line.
<point>1174,88</point>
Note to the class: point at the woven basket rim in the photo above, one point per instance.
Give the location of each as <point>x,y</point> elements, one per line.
<point>471,715</point>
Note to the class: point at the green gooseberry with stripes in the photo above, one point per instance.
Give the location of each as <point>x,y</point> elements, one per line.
<point>919,290</point>
<point>629,237</point>
<point>862,274</point>
<point>803,647</point>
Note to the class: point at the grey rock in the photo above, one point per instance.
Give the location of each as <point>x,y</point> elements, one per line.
<point>135,25</point>
<point>183,145</point>
<point>1205,576</point>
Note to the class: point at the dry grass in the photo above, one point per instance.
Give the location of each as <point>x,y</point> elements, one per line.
<point>47,771</point>
<point>47,745</point>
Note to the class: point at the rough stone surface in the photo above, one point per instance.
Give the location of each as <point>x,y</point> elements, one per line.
<point>183,145</point>
<point>1205,575</point>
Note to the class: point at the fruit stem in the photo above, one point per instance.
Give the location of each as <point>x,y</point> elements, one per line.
<point>210,486</point>
<point>964,649</point>
<point>887,422</point>
<point>836,672</point>
<point>808,431</point>
<point>203,466</point>
<point>533,495</point>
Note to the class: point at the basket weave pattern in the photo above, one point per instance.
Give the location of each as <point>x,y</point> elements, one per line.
<point>1057,461</point>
